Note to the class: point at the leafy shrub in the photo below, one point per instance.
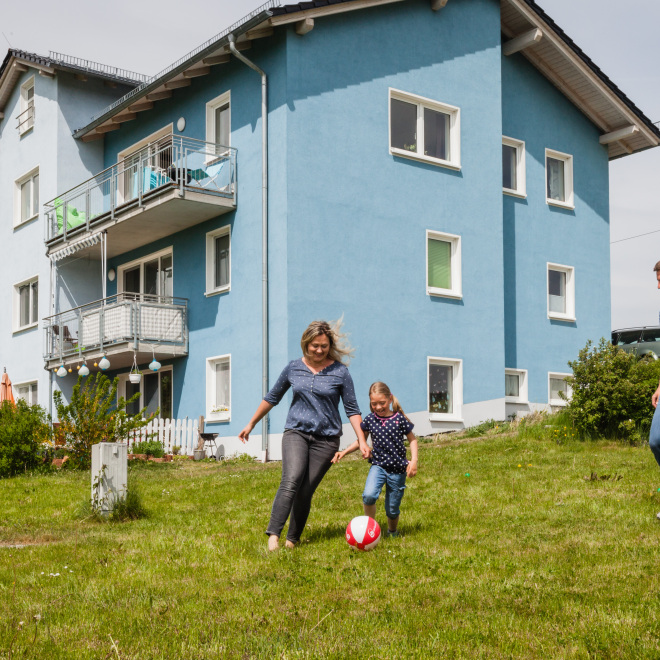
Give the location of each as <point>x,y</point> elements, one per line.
<point>22,430</point>
<point>612,392</point>
<point>95,415</point>
<point>150,448</point>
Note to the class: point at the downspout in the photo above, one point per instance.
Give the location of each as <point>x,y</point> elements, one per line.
<point>264,235</point>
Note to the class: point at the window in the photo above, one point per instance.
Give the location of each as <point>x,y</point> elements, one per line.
<point>218,120</point>
<point>26,204</point>
<point>556,384</point>
<point>445,389</point>
<point>513,167</point>
<point>26,115</point>
<point>424,129</point>
<point>561,292</point>
<point>218,261</point>
<point>155,391</point>
<point>515,386</point>
<point>218,389</point>
<point>559,179</point>
<point>152,275</point>
<point>26,304</point>
<point>443,265</point>
<point>27,392</point>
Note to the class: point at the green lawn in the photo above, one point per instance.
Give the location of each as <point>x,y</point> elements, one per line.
<point>523,558</point>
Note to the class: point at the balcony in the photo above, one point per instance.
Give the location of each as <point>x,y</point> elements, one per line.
<point>118,326</point>
<point>167,186</point>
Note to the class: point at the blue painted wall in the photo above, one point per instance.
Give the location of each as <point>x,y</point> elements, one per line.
<point>536,233</point>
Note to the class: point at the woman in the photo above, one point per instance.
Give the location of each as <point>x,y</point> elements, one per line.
<point>313,425</point>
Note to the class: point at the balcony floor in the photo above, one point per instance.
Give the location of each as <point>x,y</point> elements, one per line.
<point>160,215</point>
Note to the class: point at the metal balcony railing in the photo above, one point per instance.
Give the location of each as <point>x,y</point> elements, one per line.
<point>25,121</point>
<point>169,163</point>
<point>132,318</point>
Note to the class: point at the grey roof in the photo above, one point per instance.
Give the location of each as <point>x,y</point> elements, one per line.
<point>74,65</point>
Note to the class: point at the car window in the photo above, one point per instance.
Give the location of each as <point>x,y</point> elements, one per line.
<point>651,334</point>
<point>629,337</point>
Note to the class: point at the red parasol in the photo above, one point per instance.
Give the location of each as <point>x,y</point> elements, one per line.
<point>6,393</point>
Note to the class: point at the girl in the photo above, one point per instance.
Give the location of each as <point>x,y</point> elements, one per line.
<point>388,426</point>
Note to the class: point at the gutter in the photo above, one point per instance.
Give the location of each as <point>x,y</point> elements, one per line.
<point>264,234</point>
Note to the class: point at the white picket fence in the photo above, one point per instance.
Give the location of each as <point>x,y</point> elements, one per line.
<point>171,432</point>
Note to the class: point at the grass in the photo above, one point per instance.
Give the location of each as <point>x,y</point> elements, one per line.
<point>523,558</point>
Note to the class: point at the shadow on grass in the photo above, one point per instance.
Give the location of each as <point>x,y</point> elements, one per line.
<point>338,530</point>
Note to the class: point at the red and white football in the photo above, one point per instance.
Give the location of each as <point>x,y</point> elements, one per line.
<point>363,533</point>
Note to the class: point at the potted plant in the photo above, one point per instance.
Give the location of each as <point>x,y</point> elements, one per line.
<point>134,375</point>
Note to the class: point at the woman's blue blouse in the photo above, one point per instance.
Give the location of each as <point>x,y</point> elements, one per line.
<point>315,405</point>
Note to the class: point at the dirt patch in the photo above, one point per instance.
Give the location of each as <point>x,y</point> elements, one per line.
<point>24,542</point>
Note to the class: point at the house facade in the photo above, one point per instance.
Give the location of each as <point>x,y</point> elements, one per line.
<point>448,200</point>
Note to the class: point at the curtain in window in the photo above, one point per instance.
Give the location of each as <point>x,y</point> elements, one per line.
<point>509,167</point>
<point>555,172</point>
<point>439,257</point>
<point>24,304</point>
<point>222,125</point>
<point>557,385</point>
<point>221,261</point>
<point>26,203</point>
<point>403,125</point>
<point>557,291</point>
<point>222,384</point>
<point>512,385</point>
<point>436,134</point>
<point>35,302</point>
<point>441,399</point>
<point>35,194</point>
<point>150,391</point>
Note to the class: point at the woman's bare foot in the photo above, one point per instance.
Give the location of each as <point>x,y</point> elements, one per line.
<point>289,544</point>
<point>273,543</point>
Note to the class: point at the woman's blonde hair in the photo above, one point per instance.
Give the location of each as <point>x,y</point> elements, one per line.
<point>380,388</point>
<point>340,349</point>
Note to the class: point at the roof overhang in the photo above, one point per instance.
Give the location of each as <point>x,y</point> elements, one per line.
<point>529,30</point>
<point>624,127</point>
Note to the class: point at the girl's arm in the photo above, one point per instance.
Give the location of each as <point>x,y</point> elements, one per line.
<point>411,470</point>
<point>349,450</point>
<point>263,409</point>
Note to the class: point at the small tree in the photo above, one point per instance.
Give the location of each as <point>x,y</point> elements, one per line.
<point>612,392</point>
<point>95,415</point>
<point>22,430</point>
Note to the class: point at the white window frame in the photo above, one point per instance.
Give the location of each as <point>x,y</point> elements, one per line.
<point>17,304</point>
<point>569,315</point>
<point>123,380</point>
<point>456,269</point>
<point>569,202</point>
<point>168,251</point>
<point>33,394</point>
<point>24,105</point>
<point>457,389</point>
<point>454,128</point>
<point>521,189</point>
<point>28,176</point>
<point>212,290</point>
<point>523,390</point>
<point>569,391</point>
<point>211,107</point>
<point>219,416</point>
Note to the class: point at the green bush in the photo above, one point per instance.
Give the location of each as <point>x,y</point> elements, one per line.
<point>150,448</point>
<point>22,430</point>
<point>95,415</point>
<point>612,392</point>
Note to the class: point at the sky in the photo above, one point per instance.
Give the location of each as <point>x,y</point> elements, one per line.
<point>620,37</point>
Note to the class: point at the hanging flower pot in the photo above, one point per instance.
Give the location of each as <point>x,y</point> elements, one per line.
<point>134,375</point>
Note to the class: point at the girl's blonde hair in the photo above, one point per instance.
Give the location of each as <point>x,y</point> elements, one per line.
<point>380,388</point>
<point>340,349</point>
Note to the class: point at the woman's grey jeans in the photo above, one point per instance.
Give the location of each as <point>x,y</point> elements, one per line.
<point>305,460</point>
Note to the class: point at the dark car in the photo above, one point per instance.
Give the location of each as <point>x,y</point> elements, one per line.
<point>640,341</point>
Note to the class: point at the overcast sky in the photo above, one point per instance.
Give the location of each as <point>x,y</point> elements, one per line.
<point>620,37</point>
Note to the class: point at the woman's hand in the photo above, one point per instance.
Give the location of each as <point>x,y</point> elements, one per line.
<point>411,470</point>
<point>244,435</point>
<point>337,457</point>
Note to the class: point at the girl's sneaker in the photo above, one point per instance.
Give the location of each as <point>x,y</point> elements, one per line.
<point>395,534</point>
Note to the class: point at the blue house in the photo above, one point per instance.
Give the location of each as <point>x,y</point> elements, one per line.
<point>446,194</point>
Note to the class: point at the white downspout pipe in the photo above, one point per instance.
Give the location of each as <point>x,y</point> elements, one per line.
<point>264,235</point>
